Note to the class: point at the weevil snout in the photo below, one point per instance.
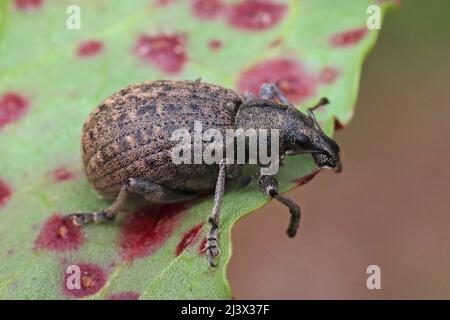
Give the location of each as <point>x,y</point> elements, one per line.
<point>326,152</point>
<point>325,160</point>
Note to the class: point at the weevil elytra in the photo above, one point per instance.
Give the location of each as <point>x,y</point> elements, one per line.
<point>126,145</point>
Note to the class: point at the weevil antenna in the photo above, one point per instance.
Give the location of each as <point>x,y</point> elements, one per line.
<point>323,101</point>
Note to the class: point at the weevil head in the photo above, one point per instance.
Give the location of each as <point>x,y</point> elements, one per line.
<point>299,133</point>
<point>302,134</point>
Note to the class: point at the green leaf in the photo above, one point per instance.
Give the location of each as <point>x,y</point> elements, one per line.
<point>47,90</point>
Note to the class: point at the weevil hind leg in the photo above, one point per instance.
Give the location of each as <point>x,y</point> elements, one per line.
<point>157,193</point>
<point>109,213</point>
<point>152,192</point>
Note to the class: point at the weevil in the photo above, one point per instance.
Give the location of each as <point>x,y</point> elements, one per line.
<point>126,145</point>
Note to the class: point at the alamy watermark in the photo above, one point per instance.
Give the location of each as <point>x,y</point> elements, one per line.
<point>239,146</point>
<point>73,21</point>
<point>374,19</point>
<point>73,280</point>
<point>374,280</point>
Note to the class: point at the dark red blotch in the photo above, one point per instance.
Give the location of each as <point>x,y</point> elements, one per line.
<point>275,43</point>
<point>202,246</point>
<point>256,15</point>
<point>59,234</point>
<point>207,9</point>
<point>349,37</point>
<point>92,279</point>
<point>146,229</point>
<point>215,44</point>
<point>164,2</point>
<point>28,5</point>
<point>188,239</point>
<point>338,125</point>
<point>5,193</point>
<point>305,179</point>
<point>328,75</point>
<point>167,51</point>
<point>127,295</point>
<point>12,107</point>
<point>62,174</point>
<point>290,76</point>
<point>89,48</point>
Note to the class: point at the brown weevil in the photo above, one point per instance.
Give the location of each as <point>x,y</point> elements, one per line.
<point>126,145</point>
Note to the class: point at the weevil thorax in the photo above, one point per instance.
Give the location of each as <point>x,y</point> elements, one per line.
<point>299,133</point>
<point>262,114</point>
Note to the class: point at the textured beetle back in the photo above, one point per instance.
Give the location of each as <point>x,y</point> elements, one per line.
<point>128,135</point>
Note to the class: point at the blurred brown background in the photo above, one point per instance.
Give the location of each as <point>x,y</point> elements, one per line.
<point>390,206</point>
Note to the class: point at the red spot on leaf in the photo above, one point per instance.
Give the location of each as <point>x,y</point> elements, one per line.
<point>189,238</point>
<point>162,3</point>
<point>291,76</point>
<point>89,48</point>
<point>397,3</point>
<point>12,107</point>
<point>165,51</point>
<point>305,179</point>
<point>62,174</point>
<point>328,75</point>
<point>92,279</point>
<point>5,193</point>
<point>338,125</point>
<point>59,234</point>
<point>202,246</point>
<point>28,5</point>
<point>207,9</point>
<point>215,44</point>
<point>146,229</point>
<point>275,43</point>
<point>127,295</point>
<point>256,15</point>
<point>349,37</point>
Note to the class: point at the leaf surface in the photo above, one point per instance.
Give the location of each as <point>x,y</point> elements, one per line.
<point>52,77</point>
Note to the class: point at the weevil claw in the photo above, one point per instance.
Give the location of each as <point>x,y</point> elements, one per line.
<point>212,251</point>
<point>80,219</point>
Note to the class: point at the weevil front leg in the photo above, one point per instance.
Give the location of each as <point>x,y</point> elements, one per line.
<point>212,245</point>
<point>269,186</point>
<point>269,91</point>
<point>153,192</point>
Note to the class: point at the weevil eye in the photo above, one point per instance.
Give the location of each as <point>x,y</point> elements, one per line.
<point>302,140</point>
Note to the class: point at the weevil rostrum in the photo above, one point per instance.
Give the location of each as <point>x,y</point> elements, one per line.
<point>126,145</point>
